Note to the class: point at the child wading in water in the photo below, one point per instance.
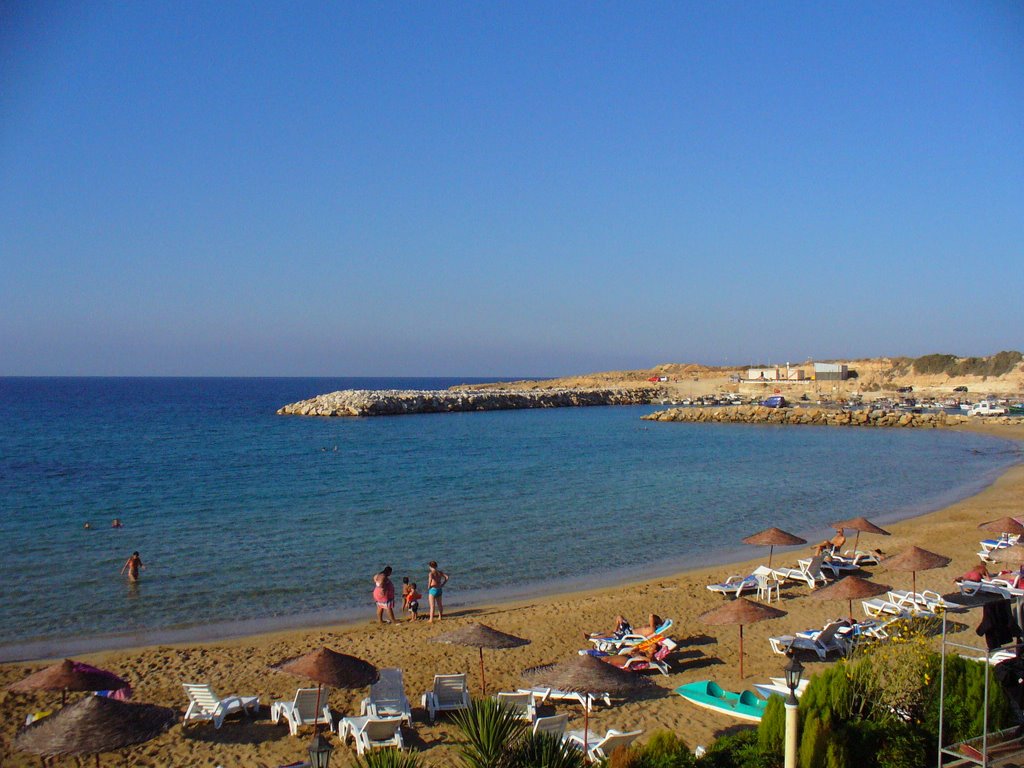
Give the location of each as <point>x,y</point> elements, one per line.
<point>133,566</point>
<point>410,599</point>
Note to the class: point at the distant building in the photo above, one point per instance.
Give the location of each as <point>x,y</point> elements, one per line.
<point>830,372</point>
<point>776,373</point>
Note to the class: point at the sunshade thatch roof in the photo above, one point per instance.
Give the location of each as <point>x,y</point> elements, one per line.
<point>774,537</point>
<point>586,674</point>
<point>477,635</point>
<point>328,667</point>
<point>915,559</point>
<point>1009,555</point>
<point>93,725</point>
<point>850,588</point>
<point>861,524</point>
<point>69,675</point>
<point>741,611</point>
<point>1007,525</point>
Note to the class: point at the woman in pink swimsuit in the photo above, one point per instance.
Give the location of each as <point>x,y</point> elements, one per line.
<point>384,595</point>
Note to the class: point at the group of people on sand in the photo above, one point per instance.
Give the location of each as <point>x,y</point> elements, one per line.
<point>384,595</point>
<point>622,629</point>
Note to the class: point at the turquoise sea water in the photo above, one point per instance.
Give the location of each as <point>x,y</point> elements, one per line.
<point>247,520</point>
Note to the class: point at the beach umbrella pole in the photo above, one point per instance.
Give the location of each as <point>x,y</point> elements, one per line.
<point>741,652</point>
<point>586,728</point>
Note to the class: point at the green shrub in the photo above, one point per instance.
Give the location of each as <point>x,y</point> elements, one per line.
<point>663,750</point>
<point>931,364</point>
<point>388,758</point>
<point>737,750</point>
<point>491,730</point>
<point>771,733</point>
<point>542,750</point>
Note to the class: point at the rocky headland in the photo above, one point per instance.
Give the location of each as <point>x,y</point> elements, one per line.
<point>393,402</point>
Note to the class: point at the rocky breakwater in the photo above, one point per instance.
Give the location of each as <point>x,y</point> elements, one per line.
<point>864,417</point>
<point>393,402</point>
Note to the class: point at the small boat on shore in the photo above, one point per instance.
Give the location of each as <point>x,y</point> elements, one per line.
<point>710,695</point>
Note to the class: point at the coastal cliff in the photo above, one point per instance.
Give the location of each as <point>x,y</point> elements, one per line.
<point>866,417</point>
<point>393,402</point>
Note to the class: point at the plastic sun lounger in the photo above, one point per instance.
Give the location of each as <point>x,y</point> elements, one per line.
<point>449,694</point>
<point>372,732</point>
<point>387,697</point>
<point>632,640</point>
<point>599,748</point>
<point>822,643</point>
<point>809,572</point>
<point>554,725</point>
<point>204,704</point>
<point>735,585</point>
<point>587,700</point>
<point>657,661</point>
<point>523,703</point>
<point>302,710</point>
<point>997,586</point>
<point>860,558</point>
<point>926,599</point>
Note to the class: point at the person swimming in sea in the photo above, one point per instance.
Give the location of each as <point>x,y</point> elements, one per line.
<point>133,566</point>
<point>117,523</point>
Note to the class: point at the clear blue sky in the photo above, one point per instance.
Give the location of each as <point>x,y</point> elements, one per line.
<point>505,188</point>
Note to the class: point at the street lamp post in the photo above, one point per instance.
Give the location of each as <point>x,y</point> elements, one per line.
<point>320,751</point>
<point>793,672</point>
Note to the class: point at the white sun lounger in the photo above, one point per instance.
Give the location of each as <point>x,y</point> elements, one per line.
<point>204,704</point>
<point>449,694</point>
<point>735,585</point>
<point>302,710</point>
<point>523,703</point>
<point>1003,587</point>
<point>554,725</point>
<point>372,732</point>
<point>600,747</point>
<point>809,572</point>
<point>387,697</point>
<point>822,643</point>
<point>587,700</point>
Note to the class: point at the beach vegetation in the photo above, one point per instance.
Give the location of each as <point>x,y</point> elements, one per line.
<point>739,749</point>
<point>388,758</point>
<point>663,749</point>
<point>495,737</point>
<point>950,365</point>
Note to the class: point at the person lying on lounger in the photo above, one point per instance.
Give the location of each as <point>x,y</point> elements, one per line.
<point>622,628</point>
<point>977,573</point>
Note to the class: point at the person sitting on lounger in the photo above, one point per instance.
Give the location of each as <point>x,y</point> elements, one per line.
<point>622,660</point>
<point>835,544</point>
<point>977,573</point>
<point>622,628</point>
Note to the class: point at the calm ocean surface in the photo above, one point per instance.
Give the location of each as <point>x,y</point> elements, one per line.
<point>247,520</point>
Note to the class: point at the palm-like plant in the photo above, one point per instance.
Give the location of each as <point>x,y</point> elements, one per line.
<point>388,758</point>
<point>543,750</point>
<point>491,729</point>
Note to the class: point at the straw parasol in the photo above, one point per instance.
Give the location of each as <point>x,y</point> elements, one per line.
<point>741,611</point>
<point>1013,555</point>
<point>327,667</point>
<point>774,537</point>
<point>93,725</point>
<point>915,559</point>
<point>850,588</point>
<point>480,636</point>
<point>1005,526</point>
<point>67,676</point>
<point>860,524</point>
<point>587,675</point>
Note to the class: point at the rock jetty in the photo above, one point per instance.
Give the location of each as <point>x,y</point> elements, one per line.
<point>864,417</point>
<point>393,402</point>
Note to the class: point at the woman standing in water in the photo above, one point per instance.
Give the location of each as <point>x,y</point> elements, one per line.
<point>133,566</point>
<point>436,580</point>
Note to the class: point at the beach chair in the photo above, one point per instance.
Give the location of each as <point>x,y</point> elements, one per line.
<point>302,710</point>
<point>586,700</point>
<point>601,747</point>
<point>1008,588</point>
<point>877,608</point>
<point>808,571</point>
<point>632,640</point>
<point>767,581</point>
<point>387,697</point>
<point>860,558</point>
<point>372,732</point>
<point>449,694</point>
<point>837,565</point>
<point>522,703</point>
<point>822,643</point>
<point>658,661</point>
<point>925,599</point>
<point>735,585</point>
<point>554,725</point>
<point>204,704</point>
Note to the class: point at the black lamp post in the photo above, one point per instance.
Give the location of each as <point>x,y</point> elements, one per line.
<point>320,752</point>
<point>794,670</point>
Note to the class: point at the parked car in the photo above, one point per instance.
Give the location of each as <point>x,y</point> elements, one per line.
<point>775,401</point>
<point>960,389</point>
<point>987,409</point>
<point>905,389</point>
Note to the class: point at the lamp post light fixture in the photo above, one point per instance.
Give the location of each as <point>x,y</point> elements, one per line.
<point>794,669</point>
<point>320,752</point>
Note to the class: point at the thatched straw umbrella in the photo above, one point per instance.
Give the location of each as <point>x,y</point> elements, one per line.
<point>327,667</point>
<point>94,725</point>
<point>588,675</point>
<point>774,537</point>
<point>1004,526</point>
<point>741,611</point>
<point>850,588</point>
<point>915,559</point>
<point>67,676</point>
<point>860,524</point>
<point>481,636</point>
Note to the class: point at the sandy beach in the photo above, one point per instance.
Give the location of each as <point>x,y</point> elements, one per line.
<point>554,625</point>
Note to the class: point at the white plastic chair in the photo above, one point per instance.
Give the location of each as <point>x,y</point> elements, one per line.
<point>204,704</point>
<point>767,583</point>
<point>302,710</point>
<point>522,703</point>
<point>372,732</point>
<point>450,693</point>
<point>554,725</point>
